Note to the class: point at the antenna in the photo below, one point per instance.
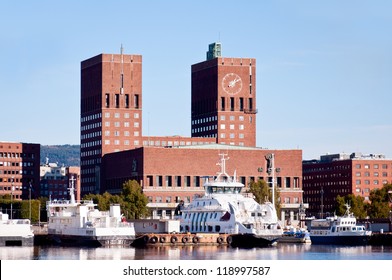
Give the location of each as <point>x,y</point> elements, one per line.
<point>122,71</point>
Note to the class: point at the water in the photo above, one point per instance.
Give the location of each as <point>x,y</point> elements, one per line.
<point>279,252</point>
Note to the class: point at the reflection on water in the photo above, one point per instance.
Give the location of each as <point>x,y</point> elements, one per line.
<point>280,252</point>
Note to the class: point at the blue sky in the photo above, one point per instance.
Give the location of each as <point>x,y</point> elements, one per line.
<point>324,68</point>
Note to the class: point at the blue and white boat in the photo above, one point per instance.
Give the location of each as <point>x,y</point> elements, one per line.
<point>342,230</point>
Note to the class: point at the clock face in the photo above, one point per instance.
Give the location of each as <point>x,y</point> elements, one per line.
<point>232,83</point>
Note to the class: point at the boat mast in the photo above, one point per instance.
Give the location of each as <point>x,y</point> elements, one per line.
<point>72,190</point>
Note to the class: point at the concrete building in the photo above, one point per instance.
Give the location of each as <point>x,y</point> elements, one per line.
<point>19,169</point>
<point>55,181</point>
<point>342,174</point>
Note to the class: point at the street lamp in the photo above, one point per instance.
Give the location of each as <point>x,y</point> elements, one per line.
<point>30,201</point>
<point>12,193</point>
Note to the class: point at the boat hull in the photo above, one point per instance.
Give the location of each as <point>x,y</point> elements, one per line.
<point>90,241</point>
<point>348,240</point>
<point>252,240</point>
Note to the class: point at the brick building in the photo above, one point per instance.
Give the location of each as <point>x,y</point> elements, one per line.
<point>224,99</point>
<point>19,169</point>
<point>169,175</point>
<point>113,149</point>
<point>342,174</point>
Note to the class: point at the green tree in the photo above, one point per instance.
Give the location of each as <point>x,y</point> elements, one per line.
<point>380,201</point>
<point>262,193</point>
<point>134,201</point>
<point>357,204</point>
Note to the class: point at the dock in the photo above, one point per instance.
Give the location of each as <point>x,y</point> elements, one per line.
<point>183,239</point>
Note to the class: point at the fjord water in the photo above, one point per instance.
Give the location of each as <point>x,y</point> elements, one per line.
<point>279,252</point>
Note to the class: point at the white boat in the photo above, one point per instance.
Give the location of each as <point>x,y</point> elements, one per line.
<point>295,235</point>
<point>80,223</point>
<point>15,232</point>
<point>224,209</point>
<point>342,230</point>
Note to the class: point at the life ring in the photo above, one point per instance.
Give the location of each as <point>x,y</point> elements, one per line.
<point>195,239</point>
<point>219,240</point>
<point>145,239</point>
<point>174,239</point>
<point>185,239</point>
<point>229,240</point>
<point>154,240</point>
<point>162,239</point>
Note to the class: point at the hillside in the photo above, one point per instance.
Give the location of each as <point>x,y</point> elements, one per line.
<point>67,155</point>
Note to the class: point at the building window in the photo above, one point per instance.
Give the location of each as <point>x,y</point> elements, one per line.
<point>107,100</point>
<point>168,181</point>
<point>223,126</point>
<point>178,181</point>
<point>136,99</point>
<point>196,181</point>
<point>127,101</point>
<point>117,100</point>
<point>187,181</point>
<point>357,166</point>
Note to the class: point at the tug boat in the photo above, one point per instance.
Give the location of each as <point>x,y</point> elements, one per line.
<point>224,209</point>
<point>339,230</point>
<point>295,235</point>
<point>79,223</point>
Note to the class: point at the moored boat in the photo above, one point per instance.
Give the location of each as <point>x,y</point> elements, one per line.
<point>79,223</point>
<point>336,230</point>
<point>225,209</point>
<point>295,235</point>
<point>15,232</point>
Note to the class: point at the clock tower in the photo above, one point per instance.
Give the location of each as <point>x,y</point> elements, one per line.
<point>224,98</point>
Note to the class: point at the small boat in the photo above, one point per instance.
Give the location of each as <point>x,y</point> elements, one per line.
<point>342,230</point>
<point>225,209</point>
<point>295,235</point>
<point>81,224</point>
<point>15,232</point>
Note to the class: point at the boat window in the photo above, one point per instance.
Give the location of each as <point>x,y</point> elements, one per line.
<point>217,228</point>
<point>215,215</point>
<point>333,229</point>
<point>353,228</point>
<point>253,214</point>
<point>259,214</point>
<point>211,215</point>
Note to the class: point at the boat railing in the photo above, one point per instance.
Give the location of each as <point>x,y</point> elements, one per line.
<point>18,222</point>
<point>66,202</point>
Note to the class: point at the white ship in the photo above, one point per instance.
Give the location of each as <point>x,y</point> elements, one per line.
<point>80,223</point>
<point>339,230</point>
<point>15,232</point>
<point>224,209</point>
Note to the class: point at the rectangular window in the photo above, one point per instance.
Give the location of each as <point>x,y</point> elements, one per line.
<point>127,101</point>
<point>137,101</point>
<point>178,181</point>
<point>187,181</point>
<point>222,103</point>
<point>250,104</point>
<point>107,100</point>
<point>241,104</point>
<point>196,181</point>
<point>168,181</point>
<point>232,105</point>
<point>117,100</point>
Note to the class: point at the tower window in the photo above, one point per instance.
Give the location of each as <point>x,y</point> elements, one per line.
<point>117,100</point>
<point>107,100</point>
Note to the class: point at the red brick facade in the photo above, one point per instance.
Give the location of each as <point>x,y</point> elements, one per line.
<point>169,175</point>
<point>342,174</point>
<point>19,167</point>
